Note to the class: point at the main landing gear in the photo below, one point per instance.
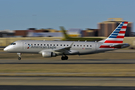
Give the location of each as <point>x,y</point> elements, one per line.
<point>64,57</point>
<point>19,56</point>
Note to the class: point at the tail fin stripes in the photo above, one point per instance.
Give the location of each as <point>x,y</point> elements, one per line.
<point>116,36</point>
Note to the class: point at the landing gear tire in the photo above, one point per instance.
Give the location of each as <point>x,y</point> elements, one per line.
<point>19,58</point>
<point>64,58</point>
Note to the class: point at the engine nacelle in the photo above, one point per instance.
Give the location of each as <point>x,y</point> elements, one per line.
<point>48,54</point>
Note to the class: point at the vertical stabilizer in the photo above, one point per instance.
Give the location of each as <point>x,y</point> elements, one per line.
<point>116,37</point>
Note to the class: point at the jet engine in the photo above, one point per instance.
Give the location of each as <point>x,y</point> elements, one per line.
<point>48,54</point>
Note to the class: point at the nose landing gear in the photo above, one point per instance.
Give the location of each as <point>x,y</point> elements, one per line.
<point>19,56</point>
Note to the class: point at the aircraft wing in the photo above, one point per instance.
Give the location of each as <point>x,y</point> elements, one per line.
<point>64,49</point>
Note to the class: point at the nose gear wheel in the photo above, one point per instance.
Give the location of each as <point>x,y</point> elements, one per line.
<point>19,56</point>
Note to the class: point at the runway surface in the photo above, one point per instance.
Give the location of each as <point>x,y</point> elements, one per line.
<point>69,81</point>
<point>77,61</point>
<point>21,82</point>
<point>18,87</point>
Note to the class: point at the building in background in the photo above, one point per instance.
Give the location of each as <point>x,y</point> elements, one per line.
<point>7,33</point>
<point>89,32</point>
<point>21,33</point>
<point>33,32</point>
<point>44,34</point>
<point>106,27</point>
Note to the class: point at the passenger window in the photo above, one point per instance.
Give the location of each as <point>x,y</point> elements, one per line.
<point>87,45</point>
<point>67,45</point>
<point>57,45</point>
<point>84,45</point>
<point>50,44</point>
<point>41,44</point>
<point>53,44</point>
<point>74,45</point>
<point>61,44</point>
<point>38,44</point>
<point>77,45</point>
<point>35,44</point>
<point>90,45</point>
<point>44,44</point>
<point>80,45</point>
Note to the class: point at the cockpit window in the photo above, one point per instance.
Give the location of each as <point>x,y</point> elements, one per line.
<point>13,44</point>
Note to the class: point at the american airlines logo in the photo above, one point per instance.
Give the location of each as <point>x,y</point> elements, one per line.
<point>44,47</point>
<point>28,47</point>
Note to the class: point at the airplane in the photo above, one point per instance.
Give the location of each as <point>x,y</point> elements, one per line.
<point>68,38</point>
<point>64,48</point>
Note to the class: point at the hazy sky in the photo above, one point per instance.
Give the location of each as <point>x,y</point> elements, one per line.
<point>23,14</point>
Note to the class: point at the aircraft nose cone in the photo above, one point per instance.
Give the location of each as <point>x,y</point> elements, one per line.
<point>5,49</point>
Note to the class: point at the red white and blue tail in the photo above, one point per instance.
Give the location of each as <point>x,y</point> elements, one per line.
<point>116,36</point>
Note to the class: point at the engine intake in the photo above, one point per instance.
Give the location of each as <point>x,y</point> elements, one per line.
<point>48,54</point>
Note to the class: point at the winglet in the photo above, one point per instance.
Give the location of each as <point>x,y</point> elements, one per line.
<point>63,49</point>
<point>71,44</point>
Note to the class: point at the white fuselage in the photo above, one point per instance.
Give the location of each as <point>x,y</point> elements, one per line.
<point>36,46</point>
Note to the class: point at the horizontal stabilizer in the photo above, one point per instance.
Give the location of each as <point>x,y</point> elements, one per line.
<point>123,45</point>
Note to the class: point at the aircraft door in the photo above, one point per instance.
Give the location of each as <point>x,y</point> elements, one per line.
<point>96,45</point>
<point>25,45</point>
